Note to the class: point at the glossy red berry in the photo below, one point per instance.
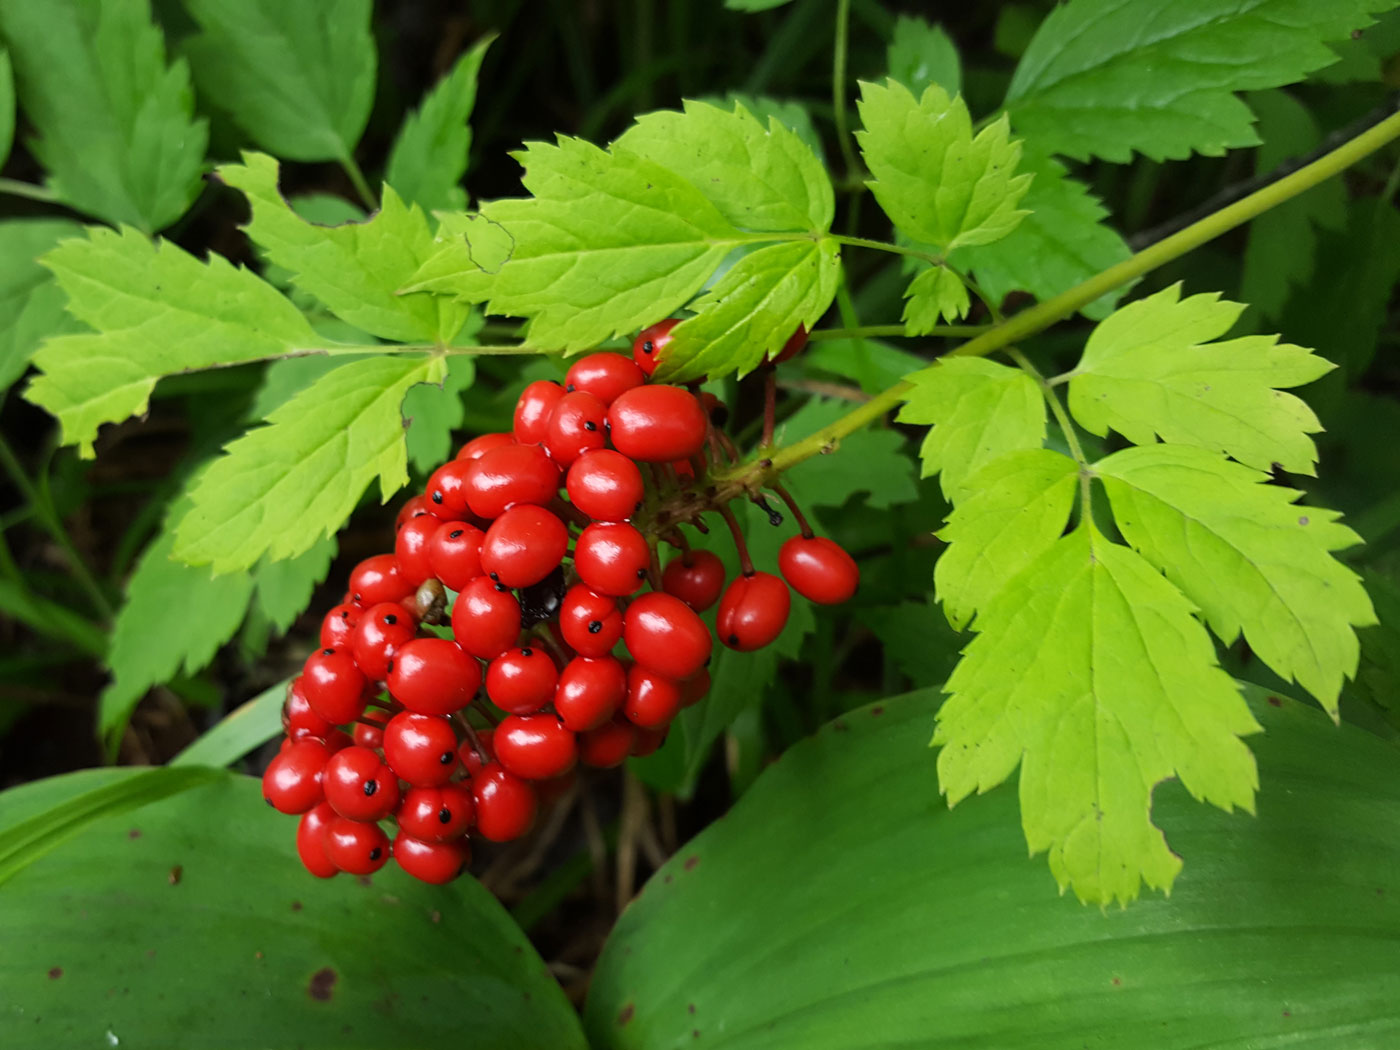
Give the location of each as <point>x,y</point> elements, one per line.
<point>411,548</point>
<point>695,577</point>
<point>521,681</point>
<point>422,749</point>
<point>486,618</point>
<point>694,688</point>
<point>356,847</point>
<point>472,760</point>
<point>378,635</point>
<point>484,443</point>
<point>454,553</point>
<point>377,580</point>
<point>591,689</point>
<point>435,863</point>
<point>292,782</point>
<point>606,376</point>
<point>612,558</point>
<point>523,546</point>
<point>664,634</point>
<point>433,676</point>
<point>576,426</point>
<point>819,569</point>
<point>505,804</point>
<point>535,747</point>
<point>652,699</point>
<point>311,841</point>
<point>334,685</point>
<point>371,736</point>
<point>447,490</point>
<point>608,745</point>
<point>657,423</point>
<point>509,475</point>
<point>753,611</point>
<point>532,411</point>
<point>591,623</point>
<point>605,485</point>
<point>415,507</point>
<point>648,740</point>
<point>360,786</point>
<point>299,718</point>
<point>794,346</point>
<point>337,625</point>
<point>649,347</point>
<point>436,814</point>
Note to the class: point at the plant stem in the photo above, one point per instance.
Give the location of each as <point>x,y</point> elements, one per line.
<point>886,246</point>
<point>838,86</point>
<point>897,331</point>
<point>16,188</point>
<point>358,180</point>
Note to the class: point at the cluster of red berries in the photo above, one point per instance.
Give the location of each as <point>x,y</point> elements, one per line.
<point>542,591</point>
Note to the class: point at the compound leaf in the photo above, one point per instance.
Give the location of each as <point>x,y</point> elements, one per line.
<point>282,589</point>
<point>979,410</point>
<point>921,54</point>
<point>1251,558</point>
<point>871,460</point>
<point>1150,369</point>
<point>31,304</point>
<point>1103,78</point>
<point>279,487</point>
<point>431,413</point>
<point>935,181</point>
<point>1090,671</point>
<point>935,294</point>
<point>156,310</point>
<point>115,125</point>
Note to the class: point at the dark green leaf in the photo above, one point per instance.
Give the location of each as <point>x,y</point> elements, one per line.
<point>31,304</point>
<point>281,589</point>
<point>921,54</point>
<point>7,106</point>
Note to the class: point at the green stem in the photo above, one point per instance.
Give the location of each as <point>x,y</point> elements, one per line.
<point>16,188</point>
<point>897,331</point>
<point>838,85</point>
<point>1057,409</point>
<point>886,246</point>
<point>358,180</point>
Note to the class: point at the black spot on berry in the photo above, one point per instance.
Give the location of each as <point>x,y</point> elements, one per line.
<point>327,652</point>
<point>390,618</point>
<point>590,426</point>
<point>594,626</point>
<point>436,497</point>
<point>733,639</point>
<point>345,613</point>
<point>375,853</point>
<point>527,652</point>
<point>446,758</point>
<point>647,347</point>
<point>496,576</point>
<point>501,587</point>
<point>444,815</point>
<point>641,574</point>
<point>389,667</point>
<point>371,786</point>
<point>455,534</point>
<point>268,801</point>
<point>569,389</point>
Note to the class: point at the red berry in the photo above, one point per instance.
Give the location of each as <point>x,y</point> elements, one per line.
<point>657,423</point>
<point>521,681</point>
<point>292,781</point>
<point>509,475</point>
<point>433,676</point>
<point>753,612</point>
<point>648,740</point>
<point>471,761</point>
<point>650,344</point>
<point>360,786</point>
<point>605,485</point>
<point>311,841</point>
<point>535,747</point>
<point>696,578</point>
<point>794,346</point>
<point>447,490</point>
<point>694,688</point>
<point>436,814</point>
<point>523,546</point>
<point>652,699</point>
<point>486,618</point>
<point>411,548</point>
<point>591,689</point>
<point>665,635</point>
<point>591,623</point>
<point>334,685</point>
<point>299,718</point>
<point>608,745</point>
<point>505,804</point>
<point>454,552</point>
<point>356,847</point>
<point>484,443</point>
<point>605,376</point>
<point>576,426</point>
<point>371,736</point>
<point>421,749</point>
<point>378,635</point>
<point>432,862</point>
<point>415,507</point>
<point>377,580</point>
<point>532,411</point>
<point>819,569</point>
<point>338,624</point>
<point>612,558</point>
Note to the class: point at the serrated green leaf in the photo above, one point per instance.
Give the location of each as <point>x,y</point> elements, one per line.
<point>979,410</point>
<point>935,181</point>
<point>1062,242</point>
<point>1150,371</point>
<point>1103,78</point>
<point>754,309</point>
<point>1090,671</point>
<point>935,294</point>
<point>157,310</point>
<point>1248,555</point>
<point>758,178</point>
<point>31,304</point>
<point>355,269</point>
<point>115,125</point>
<point>298,78</point>
<point>280,487</point>
<point>921,54</point>
<point>7,106</point>
<point>430,151</point>
<point>1014,510</point>
<point>433,412</point>
<point>792,114</point>
<point>870,461</point>
<point>282,589</point>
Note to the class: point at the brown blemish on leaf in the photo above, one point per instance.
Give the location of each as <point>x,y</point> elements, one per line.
<point>436,916</point>
<point>296,905</point>
<point>878,710</point>
<point>55,973</point>
<point>1275,701</point>
<point>134,833</point>
<point>690,863</point>
<point>175,873</point>
<point>364,880</point>
<point>322,984</point>
<point>625,1014</point>
<point>690,1007</point>
<point>257,955</point>
<point>1117,981</point>
<point>840,726</point>
<point>1288,1013</point>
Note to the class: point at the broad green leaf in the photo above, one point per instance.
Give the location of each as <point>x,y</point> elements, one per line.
<point>1378,675</point>
<point>1150,370</point>
<point>1091,673</point>
<point>610,243</point>
<point>912,639</point>
<point>244,729</point>
<point>115,125</point>
<point>31,305</point>
<point>935,294</point>
<point>754,309</point>
<point>430,151</point>
<point>7,106</point>
<point>791,113</point>
<point>157,310</point>
<point>431,413</point>
<point>754,5</point>
<point>280,487</point>
<point>324,209</point>
<point>872,364</point>
<point>196,915</point>
<point>1014,510</point>
<point>1103,78</point>
<point>921,54</point>
<point>979,410</point>
<point>871,461</point>
<point>759,178</point>
<point>283,589</point>
<point>51,619</point>
<point>1062,242</point>
<point>355,269</point>
<point>1250,557</point>
<point>837,906</point>
<point>935,181</point>
<point>298,78</point>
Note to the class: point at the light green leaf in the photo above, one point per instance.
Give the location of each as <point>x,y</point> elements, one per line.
<point>115,125</point>
<point>433,412</point>
<point>979,410</point>
<point>1251,558</point>
<point>758,178</point>
<point>1150,370</point>
<point>1062,242</point>
<point>298,78</point>
<point>870,461</point>
<point>244,729</point>
<point>282,589</point>
<point>31,304</point>
<point>430,151</point>
<point>791,113</point>
<point>935,294</point>
<point>1014,510</point>
<point>921,54</point>
<point>7,106</point>
<point>754,309</point>
<point>355,269</point>
<point>935,181</point>
<point>280,487</point>
<point>1090,671</point>
<point>1103,78</point>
